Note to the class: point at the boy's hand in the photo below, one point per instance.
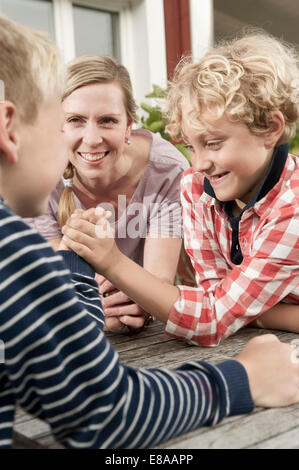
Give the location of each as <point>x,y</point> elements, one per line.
<point>121,313</point>
<point>273,371</point>
<point>89,234</point>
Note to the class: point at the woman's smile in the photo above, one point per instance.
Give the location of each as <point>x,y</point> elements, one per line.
<point>93,158</point>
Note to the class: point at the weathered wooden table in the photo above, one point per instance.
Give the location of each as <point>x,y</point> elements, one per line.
<point>276,428</point>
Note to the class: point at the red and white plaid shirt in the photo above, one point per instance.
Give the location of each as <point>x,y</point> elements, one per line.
<point>229,296</point>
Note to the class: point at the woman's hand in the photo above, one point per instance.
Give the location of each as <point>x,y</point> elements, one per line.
<point>121,313</point>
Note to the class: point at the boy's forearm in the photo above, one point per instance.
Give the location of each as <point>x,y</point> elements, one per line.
<point>151,293</point>
<point>280,317</point>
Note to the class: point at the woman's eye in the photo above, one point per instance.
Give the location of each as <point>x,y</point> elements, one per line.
<point>74,120</point>
<point>108,121</point>
<point>189,147</point>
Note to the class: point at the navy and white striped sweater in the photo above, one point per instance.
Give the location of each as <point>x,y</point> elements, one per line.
<point>60,367</point>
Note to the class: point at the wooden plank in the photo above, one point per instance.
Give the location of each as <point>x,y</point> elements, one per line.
<point>136,344</point>
<point>49,442</point>
<point>21,416</point>
<point>22,442</point>
<point>149,331</point>
<point>33,428</point>
<point>228,347</point>
<point>173,360</point>
<point>30,431</point>
<point>241,432</point>
<point>287,440</point>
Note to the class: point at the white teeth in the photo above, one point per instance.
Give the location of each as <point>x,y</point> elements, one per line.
<point>92,157</point>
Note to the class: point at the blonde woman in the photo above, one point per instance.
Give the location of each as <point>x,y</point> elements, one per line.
<point>133,173</point>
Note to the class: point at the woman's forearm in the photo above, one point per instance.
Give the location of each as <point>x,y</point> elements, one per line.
<point>161,256</point>
<point>151,293</point>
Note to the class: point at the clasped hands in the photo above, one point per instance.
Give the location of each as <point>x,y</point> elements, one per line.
<point>90,235</point>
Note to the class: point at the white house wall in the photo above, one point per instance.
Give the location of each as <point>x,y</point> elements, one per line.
<point>202,26</point>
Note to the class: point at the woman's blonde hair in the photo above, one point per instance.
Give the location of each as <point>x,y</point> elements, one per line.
<point>244,78</point>
<point>31,69</point>
<point>88,70</point>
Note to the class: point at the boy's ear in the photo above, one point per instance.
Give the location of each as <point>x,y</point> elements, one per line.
<point>8,131</point>
<point>277,125</point>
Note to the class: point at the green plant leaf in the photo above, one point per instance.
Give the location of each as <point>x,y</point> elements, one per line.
<point>154,114</point>
<point>184,151</point>
<point>157,126</point>
<point>156,121</point>
<point>157,92</point>
<point>294,143</point>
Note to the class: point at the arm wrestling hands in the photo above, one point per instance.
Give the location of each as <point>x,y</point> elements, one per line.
<point>121,313</point>
<point>272,366</point>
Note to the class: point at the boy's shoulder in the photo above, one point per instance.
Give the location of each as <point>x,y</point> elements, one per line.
<point>282,202</point>
<point>293,173</point>
<point>9,222</point>
<point>14,232</point>
<point>290,184</point>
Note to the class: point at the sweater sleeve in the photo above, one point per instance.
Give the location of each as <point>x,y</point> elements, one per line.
<point>60,367</point>
<point>86,287</point>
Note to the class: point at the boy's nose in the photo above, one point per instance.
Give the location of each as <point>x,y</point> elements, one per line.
<point>200,163</point>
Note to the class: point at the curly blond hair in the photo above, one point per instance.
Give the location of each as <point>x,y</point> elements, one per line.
<point>245,78</point>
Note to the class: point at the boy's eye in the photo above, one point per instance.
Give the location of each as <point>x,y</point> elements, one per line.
<point>213,144</point>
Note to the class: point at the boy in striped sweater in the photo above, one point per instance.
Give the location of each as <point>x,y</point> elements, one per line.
<point>58,364</point>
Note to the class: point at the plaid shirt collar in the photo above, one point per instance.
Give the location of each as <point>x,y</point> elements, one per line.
<point>273,175</point>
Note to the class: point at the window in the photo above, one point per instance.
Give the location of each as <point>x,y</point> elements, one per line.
<point>37,14</point>
<point>96,31</point>
<point>130,30</point>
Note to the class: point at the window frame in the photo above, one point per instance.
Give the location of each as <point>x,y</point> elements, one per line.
<point>141,37</point>
<point>202,27</point>
<point>141,25</point>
